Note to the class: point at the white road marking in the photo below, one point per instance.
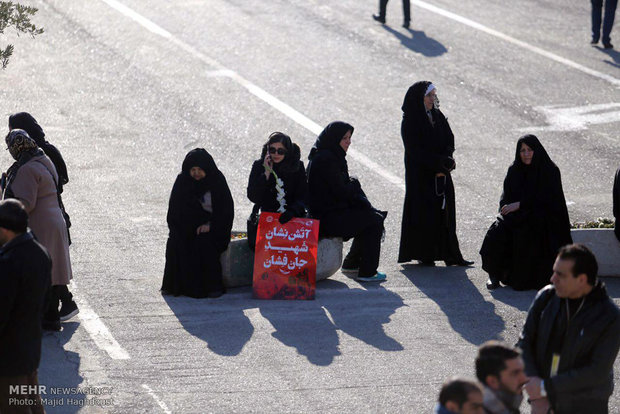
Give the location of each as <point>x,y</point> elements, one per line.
<point>576,118</point>
<point>95,327</point>
<point>520,43</point>
<point>162,404</point>
<point>255,90</point>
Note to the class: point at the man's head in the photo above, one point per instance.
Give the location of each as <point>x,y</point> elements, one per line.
<point>574,271</point>
<point>13,220</point>
<point>500,367</point>
<point>461,396</point>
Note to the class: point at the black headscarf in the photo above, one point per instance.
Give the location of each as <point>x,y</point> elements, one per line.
<point>413,105</point>
<point>540,159</point>
<point>199,157</point>
<point>25,121</point>
<point>330,137</point>
<point>290,163</point>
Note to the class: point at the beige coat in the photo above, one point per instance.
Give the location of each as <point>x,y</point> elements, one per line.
<point>34,187</point>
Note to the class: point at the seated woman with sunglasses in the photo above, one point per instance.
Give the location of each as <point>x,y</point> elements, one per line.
<point>339,202</point>
<point>278,179</point>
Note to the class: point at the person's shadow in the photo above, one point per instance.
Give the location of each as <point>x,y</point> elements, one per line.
<point>469,314</point>
<point>60,370</point>
<point>311,327</point>
<point>220,323</point>
<point>418,42</point>
<point>613,54</point>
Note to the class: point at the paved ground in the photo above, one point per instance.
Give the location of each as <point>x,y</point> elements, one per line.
<point>125,89</point>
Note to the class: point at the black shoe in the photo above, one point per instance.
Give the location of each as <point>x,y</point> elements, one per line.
<point>461,262</point>
<point>594,41</point>
<point>379,18</point>
<point>608,46</point>
<point>406,25</point>
<point>428,263</point>
<point>492,284</point>
<point>50,325</point>
<point>68,311</point>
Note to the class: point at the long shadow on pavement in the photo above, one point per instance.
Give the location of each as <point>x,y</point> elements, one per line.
<point>308,328</point>
<point>517,299</point>
<point>224,327</point>
<point>469,314</point>
<point>60,370</point>
<point>614,54</point>
<point>418,42</point>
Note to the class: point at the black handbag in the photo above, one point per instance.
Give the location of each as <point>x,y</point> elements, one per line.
<point>252,227</point>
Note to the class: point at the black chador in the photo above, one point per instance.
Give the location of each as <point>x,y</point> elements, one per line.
<point>520,246</point>
<point>193,259</point>
<point>429,221</point>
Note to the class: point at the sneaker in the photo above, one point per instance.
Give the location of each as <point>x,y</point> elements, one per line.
<point>68,311</point>
<point>378,277</point>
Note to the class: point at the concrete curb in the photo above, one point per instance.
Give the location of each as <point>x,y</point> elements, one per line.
<point>605,247</point>
<point>238,261</point>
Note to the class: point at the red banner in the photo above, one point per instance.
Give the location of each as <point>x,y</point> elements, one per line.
<point>285,258</point>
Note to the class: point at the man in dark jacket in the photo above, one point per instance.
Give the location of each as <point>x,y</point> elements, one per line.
<point>25,277</point>
<point>571,338</point>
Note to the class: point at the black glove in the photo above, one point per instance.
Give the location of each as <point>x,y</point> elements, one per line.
<point>286,217</point>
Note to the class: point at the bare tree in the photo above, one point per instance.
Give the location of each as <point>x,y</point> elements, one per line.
<point>17,16</point>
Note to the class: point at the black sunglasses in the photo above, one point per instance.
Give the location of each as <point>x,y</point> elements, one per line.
<point>280,151</point>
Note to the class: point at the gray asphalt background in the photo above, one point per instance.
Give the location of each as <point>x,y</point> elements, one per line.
<point>124,105</point>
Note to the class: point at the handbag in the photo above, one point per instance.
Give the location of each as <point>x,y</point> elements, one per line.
<point>252,226</point>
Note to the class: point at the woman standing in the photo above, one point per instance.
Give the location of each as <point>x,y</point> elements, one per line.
<point>32,180</point>
<point>429,220</point>
<point>200,216</point>
<point>338,201</point>
<point>279,158</point>
<point>521,245</point>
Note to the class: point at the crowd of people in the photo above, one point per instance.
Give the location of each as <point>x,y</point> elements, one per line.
<point>571,336</point>
<point>564,357</point>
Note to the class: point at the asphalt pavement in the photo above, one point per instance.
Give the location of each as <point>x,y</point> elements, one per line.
<point>126,88</point>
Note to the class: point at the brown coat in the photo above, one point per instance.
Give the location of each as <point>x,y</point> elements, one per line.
<point>34,186</point>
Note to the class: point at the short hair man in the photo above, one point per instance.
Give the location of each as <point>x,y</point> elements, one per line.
<point>571,338</point>
<point>460,396</point>
<point>25,277</point>
<point>500,369</point>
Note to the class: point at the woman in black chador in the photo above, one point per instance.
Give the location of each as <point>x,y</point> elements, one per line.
<point>288,196</point>
<point>200,216</point>
<point>520,247</point>
<point>338,201</point>
<point>429,221</point>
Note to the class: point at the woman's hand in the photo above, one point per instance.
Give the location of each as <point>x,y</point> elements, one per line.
<point>510,208</point>
<point>440,175</point>
<point>268,164</point>
<point>205,228</point>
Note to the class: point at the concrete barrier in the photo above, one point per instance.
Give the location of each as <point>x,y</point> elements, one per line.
<point>238,261</point>
<point>604,245</point>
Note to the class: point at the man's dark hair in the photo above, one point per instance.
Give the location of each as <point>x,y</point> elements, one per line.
<point>583,259</point>
<point>492,357</point>
<point>457,390</point>
<point>13,216</point>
